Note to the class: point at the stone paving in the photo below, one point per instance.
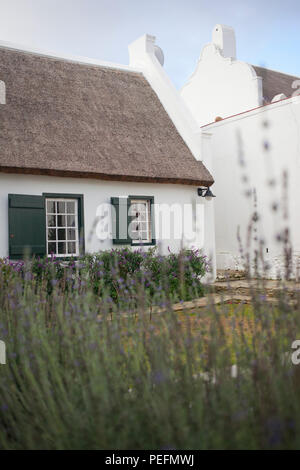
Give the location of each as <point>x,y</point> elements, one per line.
<point>269,288</point>
<point>265,283</point>
<point>241,291</point>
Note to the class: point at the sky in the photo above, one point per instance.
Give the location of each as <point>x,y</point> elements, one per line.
<point>267,31</point>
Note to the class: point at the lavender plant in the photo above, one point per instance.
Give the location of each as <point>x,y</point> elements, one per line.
<point>86,372</point>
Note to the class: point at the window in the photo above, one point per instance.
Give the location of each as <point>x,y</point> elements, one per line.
<point>133,220</point>
<point>62,227</point>
<point>45,224</point>
<point>140,225</point>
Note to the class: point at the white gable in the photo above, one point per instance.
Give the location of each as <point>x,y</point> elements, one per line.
<point>221,86</point>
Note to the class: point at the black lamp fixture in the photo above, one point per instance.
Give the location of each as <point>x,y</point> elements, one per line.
<point>206,192</point>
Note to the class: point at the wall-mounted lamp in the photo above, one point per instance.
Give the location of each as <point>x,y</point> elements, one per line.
<point>206,192</point>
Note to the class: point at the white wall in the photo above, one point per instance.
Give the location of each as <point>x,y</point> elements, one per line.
<point>249,151</point>
<point>97,192</point>
<point>258,145</point>
<point>221,85</point>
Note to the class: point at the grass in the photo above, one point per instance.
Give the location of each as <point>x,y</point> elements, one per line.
<point>85,373</point>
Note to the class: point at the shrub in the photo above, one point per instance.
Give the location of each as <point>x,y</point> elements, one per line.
<point>81,374</point>
<point>118,272</point>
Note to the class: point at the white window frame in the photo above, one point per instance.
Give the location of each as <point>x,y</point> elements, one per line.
<point>65,227</point>
<point>148,221</point>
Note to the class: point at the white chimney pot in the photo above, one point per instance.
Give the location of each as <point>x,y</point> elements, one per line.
<point>224,38</point>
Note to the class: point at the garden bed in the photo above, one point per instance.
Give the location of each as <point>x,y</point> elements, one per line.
<point>73,380</point>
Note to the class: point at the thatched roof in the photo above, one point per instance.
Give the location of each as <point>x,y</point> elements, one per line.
<point>275,83</point>
<point>72,119</point>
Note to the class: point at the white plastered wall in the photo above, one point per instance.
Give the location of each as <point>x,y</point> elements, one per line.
<point>221,85</point>
<point>97,193</point>
<point>252,151</point>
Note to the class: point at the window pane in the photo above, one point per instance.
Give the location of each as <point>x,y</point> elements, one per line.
<point>71,207</point>
<point>51,248</point>
<point>62,227</point>
<point>61,220</point>
<point>61,248</point>
<point>51,220</point>
<point>71,248</point>
<point>52,234</point>
<point>51,207</point>
<point>61,234</point>
<point>71,234</point>
<point>135,235</point>
<point>140,211</point>
<point>71,220</point>
<point>141,207</point>
<point>61,207</point>
<point>133,210</point>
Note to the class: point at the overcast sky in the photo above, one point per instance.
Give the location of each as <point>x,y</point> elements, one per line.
<point>268,31</point>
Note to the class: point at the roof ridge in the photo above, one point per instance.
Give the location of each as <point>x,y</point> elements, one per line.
<point>68,57</point>
<point>275,71</point>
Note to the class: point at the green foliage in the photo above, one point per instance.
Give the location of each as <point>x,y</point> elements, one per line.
<point>124,270</point>
<point>84,372</point>
<point>117,272</point>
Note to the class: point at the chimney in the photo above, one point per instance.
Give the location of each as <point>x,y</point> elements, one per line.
<point>143,48</point>
<point>224,38</point>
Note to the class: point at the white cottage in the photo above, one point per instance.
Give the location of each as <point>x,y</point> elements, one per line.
<point>94,155</point>
<point>253,117</point>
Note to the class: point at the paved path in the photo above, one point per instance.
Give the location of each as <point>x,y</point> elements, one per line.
<point>239,291</point>
<point>263,283</point>
<point>236,291</point>
<point>217,299</point>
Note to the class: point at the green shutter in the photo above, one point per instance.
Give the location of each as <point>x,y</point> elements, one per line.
<point>27,225</point>
<point>120,220</point>
<point>153,242</point>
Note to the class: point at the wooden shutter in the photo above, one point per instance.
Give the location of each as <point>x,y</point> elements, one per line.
<point>27,225</point>
<point>120,220</point>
